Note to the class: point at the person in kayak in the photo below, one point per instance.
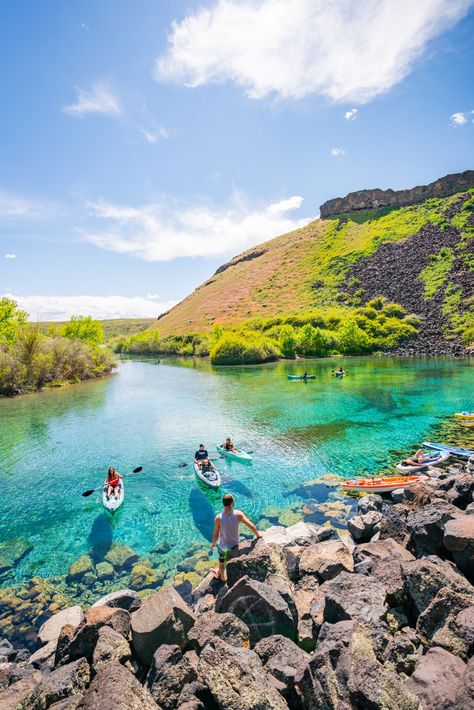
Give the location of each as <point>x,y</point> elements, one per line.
<point>417,458</point>
<point>226,533</point>
<point>340,371</point>
<point>305,375</point>
<point>201,458</point>
<point>112,482</point>
<point>229,445</point>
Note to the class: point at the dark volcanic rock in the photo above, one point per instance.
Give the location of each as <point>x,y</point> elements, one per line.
<point>237,680</point>
<point>438,624</point>
<point>227,627</point>
<point>437,678</point>
<point>68,680</point>
<point>426,527</point>
<point>282,658</point>
<point>115,687</point>
<point>260,607</point>
<point>424,578</point>
<point>459,540</point>
<point>352,596</point>
<point>363,527</point>
<point>464,697</point>
<point>86,636</point>
<point>170,671</point>
<point>325,560</point>
<point>110,646</point>
<point>123,599</point>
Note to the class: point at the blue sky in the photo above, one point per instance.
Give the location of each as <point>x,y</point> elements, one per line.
<point>145,143</point>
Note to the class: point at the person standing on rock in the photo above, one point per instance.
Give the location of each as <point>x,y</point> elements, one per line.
<point>226,533</point>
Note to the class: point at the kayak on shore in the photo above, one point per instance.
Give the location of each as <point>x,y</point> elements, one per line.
<point>435,459</point>
<point>236,455</point>
<point>454,450</point>
<point>380,485</point>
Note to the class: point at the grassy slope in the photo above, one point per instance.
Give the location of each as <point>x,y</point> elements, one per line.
<point>303,270</point>
<point>116,326</point>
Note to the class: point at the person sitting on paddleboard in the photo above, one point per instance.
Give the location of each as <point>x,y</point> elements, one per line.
<point>228,445</point>
<point>201,457</point>
<point>417,458</point>
<point>112,482</point>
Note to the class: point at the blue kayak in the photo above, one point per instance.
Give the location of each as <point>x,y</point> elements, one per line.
<point>301,377</point>
<point>454,450</point>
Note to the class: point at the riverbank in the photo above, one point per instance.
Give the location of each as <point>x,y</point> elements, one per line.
<point>377,616</point>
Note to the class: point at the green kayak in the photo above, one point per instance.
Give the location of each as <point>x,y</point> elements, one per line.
<point>235,455</point>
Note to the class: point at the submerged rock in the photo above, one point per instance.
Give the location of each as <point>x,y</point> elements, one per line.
<point>121,557</point>
<point>80,568</point>
<point>11,552</point>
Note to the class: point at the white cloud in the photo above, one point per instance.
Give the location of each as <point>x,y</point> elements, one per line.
<point>14,206</point>
<point>165,231</point>
<point>153,135</point>
<point>337,152</point>
<point>350,115</point>
<point>98,98</point>
<point>9,256</point>
<point>60,308</point>
<point>461,118</point>
<point>346,51</point>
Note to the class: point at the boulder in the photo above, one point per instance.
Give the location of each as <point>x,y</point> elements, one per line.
<point>437,678</point>
<point>86,636</point>
<point>464,697</point>
<point>382,560</point>
<point>44,657</point>
<point>363,527</point>
<point>170,671</point>
<point>65,681</point>
<point>401,653</point>
<point>352,596</point>
<point>11,673</point>
<point>121,557</point>
<point>464,625</point>
<point>259,561</point>
<point>104,571</point>
<point>209,586</point>
<point>326,560</point>
<point>307,593</point>
<point>51,628</point>
<point>470,509</point>
<point>370,502</point>
<point>236,679</point>
<point>110,646</point>
<point>80,568</point>
<point>424,578</point>
<point>70,703</point>
<point>115,687</point>
<point>282,658</point>
<point>227,627</point>
<point>260,607</point>
<point>394,523</point>
<point>426,528</point>
<point>398,495</point>
<point>345,673</point>
<point>300,534</point>
<point>461,494</point>
<point>123,599</point>
<point>24,694</point>
<point>381,550</point>
<point>438,624</point>
<point>459,540</point>
<point>163,618</point>
<point>61,655</point>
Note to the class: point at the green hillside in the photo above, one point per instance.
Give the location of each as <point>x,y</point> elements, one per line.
<point>113,327</point>
<point>419,259</point>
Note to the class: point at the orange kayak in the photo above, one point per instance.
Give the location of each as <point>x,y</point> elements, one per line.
<point>380,485</point>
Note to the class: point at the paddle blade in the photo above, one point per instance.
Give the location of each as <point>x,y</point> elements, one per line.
<point>88,493</point>
<point>137,470</point>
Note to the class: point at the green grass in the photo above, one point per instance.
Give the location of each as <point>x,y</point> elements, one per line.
<point>434,275</point>
<point>114,327</point>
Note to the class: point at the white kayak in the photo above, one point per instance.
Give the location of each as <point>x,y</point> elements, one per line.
<point>235,455</point>
<point>454,450</point>
<point>210,478</point>
<point>436,459</point>
<point>112,503</point>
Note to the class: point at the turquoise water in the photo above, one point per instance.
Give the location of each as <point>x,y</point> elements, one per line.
<point>56,444</point>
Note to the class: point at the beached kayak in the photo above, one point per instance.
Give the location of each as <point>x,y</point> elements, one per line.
<point>464,415</point>
<point>235,455</point>
<point>454,450</point>
<point>301,377</point>
<point>112,504</point>
<point>209,478</point>
<point>436,458</point>
<point>379,485</point>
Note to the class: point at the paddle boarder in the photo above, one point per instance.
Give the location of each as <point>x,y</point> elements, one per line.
<point>227,535</point>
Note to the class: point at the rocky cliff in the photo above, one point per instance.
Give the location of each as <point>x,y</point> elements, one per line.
<point>364,200</point>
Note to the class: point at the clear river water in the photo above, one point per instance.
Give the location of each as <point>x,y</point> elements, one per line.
<point>56,444</point>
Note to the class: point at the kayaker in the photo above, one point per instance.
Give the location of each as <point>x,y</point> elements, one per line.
<point>201,455</point>
<point>112,482</point>
<point>305,375</point>
<point>340,371</point>
<point>226,533</point>
<point>228,445</point>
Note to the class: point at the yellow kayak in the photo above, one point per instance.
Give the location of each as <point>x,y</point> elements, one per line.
<point>464,415</point>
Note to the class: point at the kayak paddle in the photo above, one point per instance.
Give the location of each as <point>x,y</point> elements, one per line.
<point>89,493</point>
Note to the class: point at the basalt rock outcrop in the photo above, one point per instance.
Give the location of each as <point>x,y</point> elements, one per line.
<point>307,623</point>
<point>364,200</point>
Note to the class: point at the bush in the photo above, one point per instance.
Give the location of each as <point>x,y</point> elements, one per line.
<point>287,341</point>
<point>83,328</point>
<point>315,341</point>
<point>235,349</point>
<point>352,339</point>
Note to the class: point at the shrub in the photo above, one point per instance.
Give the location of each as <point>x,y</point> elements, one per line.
<point>352,339</point>
<point>83,328</point>
<point>287,341</point>
<point>235,349</point>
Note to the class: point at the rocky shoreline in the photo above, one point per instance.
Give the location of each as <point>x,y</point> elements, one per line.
<point>380,616</point>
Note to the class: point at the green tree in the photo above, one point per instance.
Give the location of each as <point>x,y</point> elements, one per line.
<point>84,328</point>
<point>287,341</point>
<point>352,339</point>
<point>12,319</point>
